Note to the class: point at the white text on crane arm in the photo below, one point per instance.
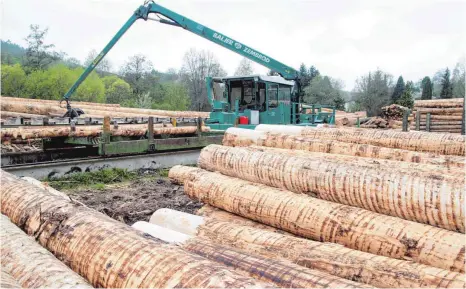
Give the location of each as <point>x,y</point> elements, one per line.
<point>238,46</point>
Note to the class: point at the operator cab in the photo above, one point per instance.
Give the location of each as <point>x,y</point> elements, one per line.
<point>257,98</point>
<point>253,92</point>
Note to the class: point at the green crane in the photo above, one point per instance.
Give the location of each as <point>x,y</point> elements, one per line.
<point>152,11</point>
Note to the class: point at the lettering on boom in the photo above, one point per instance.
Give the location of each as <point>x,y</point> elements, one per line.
<point>239,46</point>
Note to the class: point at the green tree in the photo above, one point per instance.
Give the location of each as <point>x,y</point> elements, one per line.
<point>38,55</point>
<point>399,88</point>
<point>447,87</point>
<point>406,98</point>
<point>325,91</point>
<point>372,91</point>
<point>313,72</point>
<point>427,87</point>
<point>458,79</point>
<point>13,80</point>
<point>92,89</point>
<point>116,89</point>
<point>174,97</point>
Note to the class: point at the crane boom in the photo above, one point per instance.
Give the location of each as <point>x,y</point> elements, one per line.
<point>171,18</point>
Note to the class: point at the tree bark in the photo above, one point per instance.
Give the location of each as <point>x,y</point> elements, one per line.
<point>106,108</point>
<point>334,259</point>
<point>453,102</point>
<point>107,253</point>
<point>89,131</point>
<point>329,222</point>
<point>31,264</point>
<point>55,102</point>
<point>244,137</point>
<point>6,281</point>
<point>445,144</point>
<point>425,197</point>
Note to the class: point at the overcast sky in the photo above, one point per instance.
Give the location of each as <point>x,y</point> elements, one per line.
<point>343,39</point>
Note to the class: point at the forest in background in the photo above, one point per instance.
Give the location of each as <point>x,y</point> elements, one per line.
<point>38,71</point>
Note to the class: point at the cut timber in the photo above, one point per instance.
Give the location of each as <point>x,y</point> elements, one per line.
<point>55,102</point>
<point>437,117</point>
<point>87,131</point>
<point>285,129</point>
<point>279,272</point>
<point>325,221</point>
<point>378,271</point>
<point>212,213</point>
<point>109,254</point>
<point>431,199</point>
<point>456,110</point>
<point>18,114</point>
<point>108,109</point>
<point>244,137</point>
<point>438,143</point>
<point>48,109</point>
<point>6,281</point>
<point>49,189</point>
<point>31,264</point>
<point>452,102</point>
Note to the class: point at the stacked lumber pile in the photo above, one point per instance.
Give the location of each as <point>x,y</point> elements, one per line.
<point>354,202</point>
<point>446,115</point>
<point>30,108</point>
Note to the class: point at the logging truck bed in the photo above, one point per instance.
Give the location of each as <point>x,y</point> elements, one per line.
<point>136,200</point>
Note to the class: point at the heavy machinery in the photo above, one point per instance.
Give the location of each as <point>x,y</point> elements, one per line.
<point>245,101</point>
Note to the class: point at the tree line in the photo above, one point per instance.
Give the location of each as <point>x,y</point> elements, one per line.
<point>377,89</point>
<point>38,71</point>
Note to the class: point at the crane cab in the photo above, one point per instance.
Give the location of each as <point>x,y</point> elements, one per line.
<point>246,101</point>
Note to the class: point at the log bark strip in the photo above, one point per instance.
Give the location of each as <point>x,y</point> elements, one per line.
<point>55,102</point>
<point>89,131</point>
<point>434,200</point>
<point>378,271</point>
<point>243,137</point>
<point>212,213</point>
<point>452,102</point>
<point>329,222</point>
<point>438,143</point>
<point>6,281</point>
<point>280,272</point>
<point>31,264</point>
<point>106,252</point>
<point>113,110</point>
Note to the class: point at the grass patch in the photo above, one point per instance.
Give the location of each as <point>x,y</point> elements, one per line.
<point>98,179</point>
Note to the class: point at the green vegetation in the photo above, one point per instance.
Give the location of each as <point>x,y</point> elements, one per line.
<point>426,88</point>
<point>97,180</point>
<point>37,71</point>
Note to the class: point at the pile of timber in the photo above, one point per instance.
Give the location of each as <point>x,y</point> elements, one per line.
<point>343,118</point>
<point>34,132</point>
<point>353,203</point>
<point>31,108</point>
<point>446,115</point>
<point>393,111</point>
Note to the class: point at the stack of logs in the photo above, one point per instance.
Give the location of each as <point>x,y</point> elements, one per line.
<point>286,206</point>
<point>446,115</point>
<point>352,203</point>
<point>37,108</point>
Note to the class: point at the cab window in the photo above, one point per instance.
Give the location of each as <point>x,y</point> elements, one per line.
<point>272,95</point>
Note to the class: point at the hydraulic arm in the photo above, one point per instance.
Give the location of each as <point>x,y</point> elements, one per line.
<point>153,11</point>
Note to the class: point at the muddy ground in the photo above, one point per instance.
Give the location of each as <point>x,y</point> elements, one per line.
<point>136,200</point>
